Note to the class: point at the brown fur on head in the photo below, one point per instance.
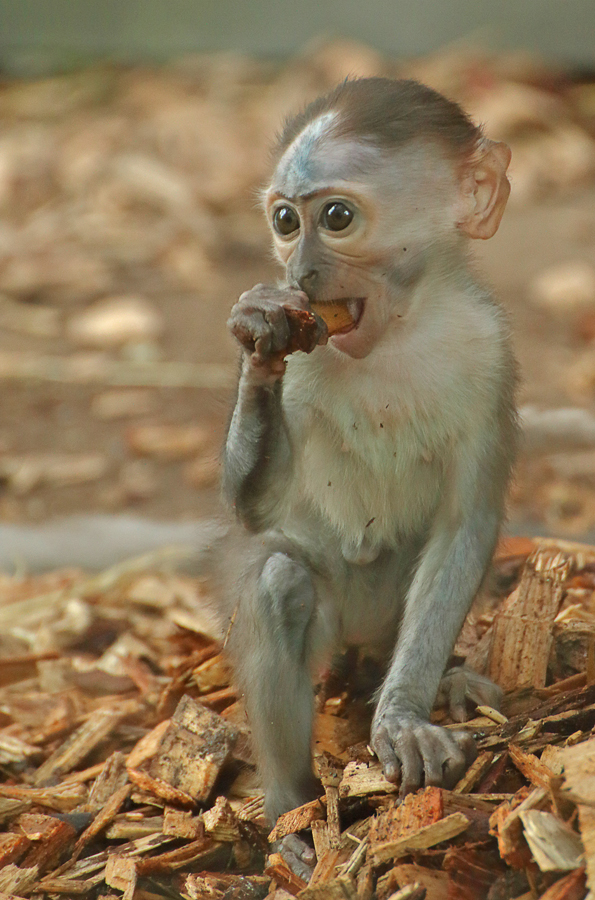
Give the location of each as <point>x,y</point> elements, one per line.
<point>388,113</point>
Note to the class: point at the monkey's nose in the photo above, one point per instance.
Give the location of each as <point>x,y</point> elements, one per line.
<point>308,281</point>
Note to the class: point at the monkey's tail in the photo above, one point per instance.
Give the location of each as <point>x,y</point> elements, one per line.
<point>96,542</point>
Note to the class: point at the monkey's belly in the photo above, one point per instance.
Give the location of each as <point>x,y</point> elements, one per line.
<point>369,505</point>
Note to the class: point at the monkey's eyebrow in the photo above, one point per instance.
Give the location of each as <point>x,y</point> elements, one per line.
<point>292,198</point>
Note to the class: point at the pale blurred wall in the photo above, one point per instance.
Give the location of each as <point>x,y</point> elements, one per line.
<point>40,35</point>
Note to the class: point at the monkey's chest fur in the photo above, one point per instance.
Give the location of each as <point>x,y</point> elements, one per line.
<point>370,471</point>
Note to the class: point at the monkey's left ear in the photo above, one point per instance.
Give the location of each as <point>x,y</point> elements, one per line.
<point>486,190</point>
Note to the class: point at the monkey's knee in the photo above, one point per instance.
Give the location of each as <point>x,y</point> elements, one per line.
<point>286,587</point>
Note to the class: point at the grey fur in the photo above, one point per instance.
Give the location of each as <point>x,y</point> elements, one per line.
<point>369,481</point>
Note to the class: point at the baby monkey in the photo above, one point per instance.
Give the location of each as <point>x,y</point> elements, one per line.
<point>369,450</point>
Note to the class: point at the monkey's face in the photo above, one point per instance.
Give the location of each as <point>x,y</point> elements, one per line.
<point>357,226</point>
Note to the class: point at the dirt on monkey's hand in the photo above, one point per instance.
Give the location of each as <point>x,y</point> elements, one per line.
<point>273,322</point>
<point>304,330</point>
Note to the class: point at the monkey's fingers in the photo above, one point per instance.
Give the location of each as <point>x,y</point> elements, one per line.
<point>262,332</point>
<point>385,751</point>
<point>446,755</point>
<point>298,855</point>
<point>412,763</point>
<point>467,745</point>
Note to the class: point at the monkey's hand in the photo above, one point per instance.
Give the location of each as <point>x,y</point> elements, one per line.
<point>460,685</point>
<point>272,322</point>
<point>412,750</point>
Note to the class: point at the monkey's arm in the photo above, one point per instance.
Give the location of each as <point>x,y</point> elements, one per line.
<point>451,570</point>
<point>257,458</point>
<point>257,454</point>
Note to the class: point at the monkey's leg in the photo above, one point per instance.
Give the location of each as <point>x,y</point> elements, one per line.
<point>271,649</point>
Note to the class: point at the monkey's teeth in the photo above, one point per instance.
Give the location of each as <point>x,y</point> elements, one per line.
<point>355,308</point>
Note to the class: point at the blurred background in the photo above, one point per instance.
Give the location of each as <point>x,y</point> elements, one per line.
<point>134,137</point>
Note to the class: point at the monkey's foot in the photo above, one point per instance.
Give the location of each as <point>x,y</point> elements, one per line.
<point>461,685</point>
<point>419,753</point>
<point>299,856</point>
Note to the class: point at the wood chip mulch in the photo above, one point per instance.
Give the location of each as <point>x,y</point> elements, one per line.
<point>126,768</point>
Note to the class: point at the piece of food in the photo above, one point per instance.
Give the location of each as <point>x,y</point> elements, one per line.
<point>336,316</point>
<point>305,330</point>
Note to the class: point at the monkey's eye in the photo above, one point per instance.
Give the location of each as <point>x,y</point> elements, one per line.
<point>336,216</point>
<point>285,220</point>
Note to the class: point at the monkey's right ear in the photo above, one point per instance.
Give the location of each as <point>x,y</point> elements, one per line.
<point>486,189</point>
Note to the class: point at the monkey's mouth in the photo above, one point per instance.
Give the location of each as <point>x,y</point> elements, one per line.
<point>340,316</point>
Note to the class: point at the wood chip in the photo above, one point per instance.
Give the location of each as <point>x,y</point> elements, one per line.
<point>325,868</point>
<point>361,779</point>
<point>279,871</point>
<point>12,848</point>
<point>68,886</point>
<point>416,811</point>
<point>522,630</point>
<point>531,767</point>
<point>26,472</point>
<point>14,879</point>
<point>297,820</point>
<point>554,845</point>
<point>104,817</point>
<point>182,824</point>
<point>160,788</point>
<point>96,368</point>
<point>410,892</point>
<point>365,883</point>
<point>357,858</point>
<point>120,873</point>
<point>110,779</point>
<point>63,798</point>
<point>333,820</point>
<point>51,839</point>
<point>579,773</point>
<point>422,839</point>
<point>571,887</point>
<point>122,403</point>
<point>194,749</point>
<point>172,860</point>
<point>220,821</point>
<point>492,714</point>
<point>126,828</point>
<point>320,838</point>
<point>84,740</point>
<point>342,887</point>
<point>475,772</point>
<point>214,673</point>
<point>435,882</point>
<point>147,746</point>
<point>506,824</point>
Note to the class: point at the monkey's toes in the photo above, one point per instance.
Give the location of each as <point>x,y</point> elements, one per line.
<point>461,686</point>
<point>298,854</point>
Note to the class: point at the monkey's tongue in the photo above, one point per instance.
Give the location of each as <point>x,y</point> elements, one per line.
<point>340,317</point>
